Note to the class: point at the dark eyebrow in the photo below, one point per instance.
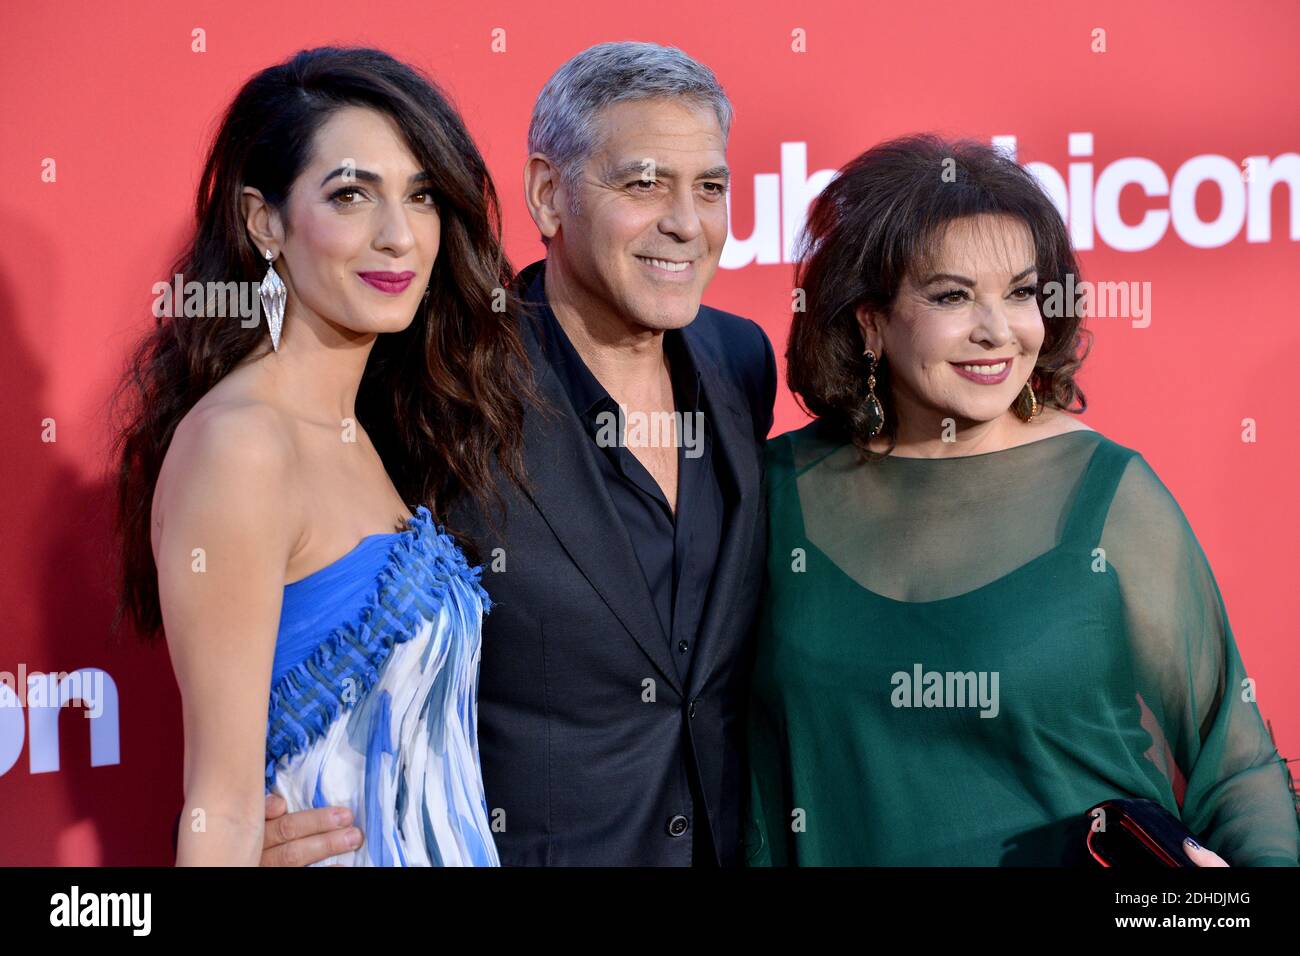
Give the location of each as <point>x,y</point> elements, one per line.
<point>948,276</point>
<point>962,280</point>
<point>366,176</point>
<point>637,166</point>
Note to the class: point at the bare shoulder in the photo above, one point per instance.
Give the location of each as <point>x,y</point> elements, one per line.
<point>228,454</point>
<point>239,438</point>
<point>236,425</point>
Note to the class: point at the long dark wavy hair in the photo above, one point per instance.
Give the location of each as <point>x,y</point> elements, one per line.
<point>442,400</point>
<point>881,218</point>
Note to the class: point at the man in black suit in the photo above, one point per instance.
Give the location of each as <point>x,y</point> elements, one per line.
<point>626,579</point>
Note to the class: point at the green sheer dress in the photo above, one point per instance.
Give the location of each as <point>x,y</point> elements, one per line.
<point>958,657</point>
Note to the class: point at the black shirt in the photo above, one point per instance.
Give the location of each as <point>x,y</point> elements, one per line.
<point>677,555</point>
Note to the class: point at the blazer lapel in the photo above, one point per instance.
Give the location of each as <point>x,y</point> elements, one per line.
<point>733,432</point>
<point>567,487</point>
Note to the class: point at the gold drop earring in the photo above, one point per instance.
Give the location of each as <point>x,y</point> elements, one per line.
<point>1026,405</point>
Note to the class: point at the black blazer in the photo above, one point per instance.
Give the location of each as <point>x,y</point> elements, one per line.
<point>591,745</point>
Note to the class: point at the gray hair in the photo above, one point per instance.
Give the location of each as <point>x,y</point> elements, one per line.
<point>563,127</point>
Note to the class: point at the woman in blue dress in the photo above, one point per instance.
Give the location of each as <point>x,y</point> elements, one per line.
<point>281,469</point>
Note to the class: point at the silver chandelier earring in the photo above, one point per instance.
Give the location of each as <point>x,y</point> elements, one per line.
<point>273,295</point>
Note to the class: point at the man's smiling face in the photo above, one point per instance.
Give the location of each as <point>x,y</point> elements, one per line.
<point>651,214</point>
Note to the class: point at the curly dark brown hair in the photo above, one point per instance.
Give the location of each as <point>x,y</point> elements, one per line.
<point>442,400</point>
<point>880,220</point>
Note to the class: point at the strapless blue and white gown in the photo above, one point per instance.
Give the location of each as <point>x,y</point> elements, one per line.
<point>374,699</point>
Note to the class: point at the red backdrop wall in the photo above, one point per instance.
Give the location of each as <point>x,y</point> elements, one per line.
<point>116,96</point>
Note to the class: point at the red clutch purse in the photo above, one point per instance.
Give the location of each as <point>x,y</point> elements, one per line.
<point>1136,833</point>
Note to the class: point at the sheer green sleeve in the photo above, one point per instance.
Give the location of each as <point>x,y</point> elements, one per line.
<point>1216,752</point>
<point>766,745</point>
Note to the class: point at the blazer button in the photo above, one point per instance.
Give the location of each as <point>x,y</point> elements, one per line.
<point>690,711</point>
<point>678,825</point>
<point>682,646</point>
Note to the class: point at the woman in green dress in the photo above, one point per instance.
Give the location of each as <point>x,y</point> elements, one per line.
<point>982,617</point>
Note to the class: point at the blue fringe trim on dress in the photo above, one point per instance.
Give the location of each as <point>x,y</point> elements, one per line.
<point>411,587</point>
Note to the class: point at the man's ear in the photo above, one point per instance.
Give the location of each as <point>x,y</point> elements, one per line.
<point>869,321</point>
<point>543,194</point>
<point>261,220</point>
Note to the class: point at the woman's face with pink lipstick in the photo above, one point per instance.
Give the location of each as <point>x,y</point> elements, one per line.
<point>964,331</point>
<point>360,231</point>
